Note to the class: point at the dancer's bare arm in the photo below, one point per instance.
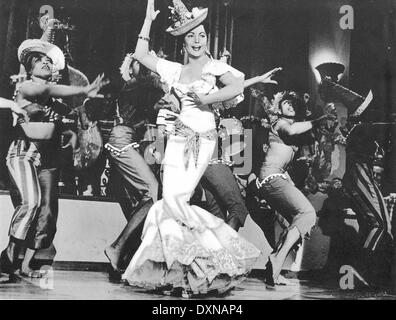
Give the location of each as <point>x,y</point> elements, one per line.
<point>233,86</point>
<point>60,91</point>
<point>298,127</point>
<point>142,45</point>
<point>14,107</point>
<point>264,78</point>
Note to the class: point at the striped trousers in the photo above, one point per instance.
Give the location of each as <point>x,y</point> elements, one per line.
<point>369,206</point>
<point>36,199</point>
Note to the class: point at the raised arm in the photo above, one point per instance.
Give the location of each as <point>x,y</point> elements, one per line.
<point>142,45</point>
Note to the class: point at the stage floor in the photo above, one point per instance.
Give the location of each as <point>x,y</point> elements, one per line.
<point>82,285</point>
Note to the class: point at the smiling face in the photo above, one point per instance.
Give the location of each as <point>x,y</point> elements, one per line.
<point>195,42</point>
<point>287,108</point>
<point>41,66</point>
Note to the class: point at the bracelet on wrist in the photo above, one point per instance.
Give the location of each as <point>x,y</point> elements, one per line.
<point>144,38</point>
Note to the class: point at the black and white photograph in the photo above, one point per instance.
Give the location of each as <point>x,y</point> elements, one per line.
<point>197,154</point>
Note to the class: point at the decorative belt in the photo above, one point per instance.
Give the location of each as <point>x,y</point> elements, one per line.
<point>222,161</point>
<point>193,140</point>
<point>117,152</point>
<point>269,178</point>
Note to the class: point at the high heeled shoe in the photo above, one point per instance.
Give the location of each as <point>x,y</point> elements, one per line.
<point>269,274</point>
<point>113,261</point>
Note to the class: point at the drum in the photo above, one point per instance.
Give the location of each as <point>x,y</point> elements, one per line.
<point>231,133</point>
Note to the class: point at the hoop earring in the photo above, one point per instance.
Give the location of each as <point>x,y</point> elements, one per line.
<point>183,50</point>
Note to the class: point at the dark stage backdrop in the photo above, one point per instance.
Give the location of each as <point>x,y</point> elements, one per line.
<point>261,34</point>
<point>373,66</point>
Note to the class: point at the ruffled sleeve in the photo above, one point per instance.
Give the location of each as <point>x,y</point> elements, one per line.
<point>169,71</point>
<point>218,68</point>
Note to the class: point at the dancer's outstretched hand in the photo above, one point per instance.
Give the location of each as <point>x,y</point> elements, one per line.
<point>267,77</point>
<point>151,13</point>
<point>93,89</point>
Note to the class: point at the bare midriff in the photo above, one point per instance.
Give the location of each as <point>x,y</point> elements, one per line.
<point>277,159</point>
<point>39,130</point>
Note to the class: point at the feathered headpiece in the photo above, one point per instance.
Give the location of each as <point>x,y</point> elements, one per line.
<point>184,20</point>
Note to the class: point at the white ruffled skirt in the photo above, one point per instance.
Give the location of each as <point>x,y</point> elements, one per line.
<point>183,246</point>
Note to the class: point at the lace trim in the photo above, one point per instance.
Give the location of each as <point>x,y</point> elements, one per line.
<point>157,277</point>
<point>206,263</point>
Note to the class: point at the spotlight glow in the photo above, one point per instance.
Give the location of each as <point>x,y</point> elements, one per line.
<point>322,56</point>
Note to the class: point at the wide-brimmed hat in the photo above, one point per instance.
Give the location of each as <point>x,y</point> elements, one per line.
<point>50,50</point>
<point>185,20</point>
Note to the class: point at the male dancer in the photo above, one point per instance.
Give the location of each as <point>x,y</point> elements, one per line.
<point>134,108</point>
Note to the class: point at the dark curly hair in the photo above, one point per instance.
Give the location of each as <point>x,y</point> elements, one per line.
<point>297,102</point>
<point>28,61</point>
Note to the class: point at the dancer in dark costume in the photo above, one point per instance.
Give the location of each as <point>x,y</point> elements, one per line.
<point>135,108</point>
<point>368,203</point>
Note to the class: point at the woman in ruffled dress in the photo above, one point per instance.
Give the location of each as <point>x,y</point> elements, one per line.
<point>185,249</point>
